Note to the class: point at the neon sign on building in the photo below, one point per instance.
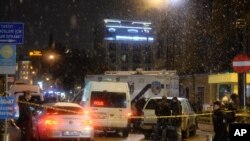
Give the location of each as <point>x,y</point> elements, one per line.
<point>122,30</point>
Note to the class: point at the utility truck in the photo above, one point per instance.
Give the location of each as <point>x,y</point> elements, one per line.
<point>143,83</point>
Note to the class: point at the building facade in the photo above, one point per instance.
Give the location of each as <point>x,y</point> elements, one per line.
<point>128,44</point>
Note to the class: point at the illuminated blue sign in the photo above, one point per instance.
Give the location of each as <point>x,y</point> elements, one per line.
<point>11,33</point>
<point>121,30</point>
<point>7,107</point>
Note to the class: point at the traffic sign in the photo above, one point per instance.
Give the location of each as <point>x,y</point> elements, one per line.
<point>241,63</point>
<point>11,33</point>
<point>7,104</point>
<point>7,59</point>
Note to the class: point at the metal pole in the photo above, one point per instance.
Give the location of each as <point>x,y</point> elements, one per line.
<point>240,25</point>
<point>6,135</point>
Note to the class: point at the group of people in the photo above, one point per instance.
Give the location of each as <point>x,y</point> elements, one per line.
<point>224,114</point>
<point>168,128</point>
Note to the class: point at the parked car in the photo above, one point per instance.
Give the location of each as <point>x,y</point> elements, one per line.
<point>62,120</point>
<point>149,121</point>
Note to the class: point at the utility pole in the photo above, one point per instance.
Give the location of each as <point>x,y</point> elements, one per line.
<point>241,25</point>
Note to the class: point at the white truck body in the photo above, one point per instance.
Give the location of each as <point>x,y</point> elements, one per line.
<point>109,104</point>
<point>143,83</point>
<point>17,90</point>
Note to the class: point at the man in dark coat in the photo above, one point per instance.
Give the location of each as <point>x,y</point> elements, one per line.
<point>233,107</point>
<point>25,118</point>
<point>162,109</point>
<point>174,129</point>
<point>219,122</point>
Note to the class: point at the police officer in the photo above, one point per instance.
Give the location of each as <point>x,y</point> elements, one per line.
<point>219,122</point>
<point>233,107</point>
<point>174,133</point>
<point>162,109</point>
<point>25,118</point>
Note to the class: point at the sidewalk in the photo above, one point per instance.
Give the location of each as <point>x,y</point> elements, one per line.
<point>208,127</point>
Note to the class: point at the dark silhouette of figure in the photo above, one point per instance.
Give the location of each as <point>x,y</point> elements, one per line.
<point>233,107</point>
<point>25,118</point>
<point>162,109</point>
<point>174,133</point>
<point>219,122</point>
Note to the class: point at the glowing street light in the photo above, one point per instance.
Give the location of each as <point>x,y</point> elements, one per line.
<point>51,57</point>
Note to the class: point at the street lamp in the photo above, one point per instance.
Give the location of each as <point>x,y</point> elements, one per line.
<point>51,57</point>
<point>241,26</point>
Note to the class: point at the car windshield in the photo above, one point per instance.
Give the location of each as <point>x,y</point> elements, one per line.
<point>152,103</point>
<point>64,110</point>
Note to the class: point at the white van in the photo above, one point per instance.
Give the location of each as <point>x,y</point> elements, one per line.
<point>17,90</point>
<point>109,104</point>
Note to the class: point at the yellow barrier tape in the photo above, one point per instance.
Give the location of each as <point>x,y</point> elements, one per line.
<point>137,117</point>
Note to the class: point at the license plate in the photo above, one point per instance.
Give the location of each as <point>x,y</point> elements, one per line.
<point>70,133</point>
<point>98,116</point>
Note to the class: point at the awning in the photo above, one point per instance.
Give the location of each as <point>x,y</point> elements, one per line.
<point>225,78</point>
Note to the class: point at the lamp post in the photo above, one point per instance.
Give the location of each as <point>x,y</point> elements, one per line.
<point>51,60</point>
<point>240,25</point>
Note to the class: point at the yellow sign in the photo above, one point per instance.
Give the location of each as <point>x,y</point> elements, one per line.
<point>35,53</point>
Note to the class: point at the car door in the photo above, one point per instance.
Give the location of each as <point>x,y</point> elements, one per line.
<point>149,111</point>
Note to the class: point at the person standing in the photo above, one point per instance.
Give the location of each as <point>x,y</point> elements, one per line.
<point>175,124</point>
<point>25,118</point>
<point>139,106</point>
<point>233,108</point>
<point>219,122</point>
<point>224,103</point>
<point>162,109</point>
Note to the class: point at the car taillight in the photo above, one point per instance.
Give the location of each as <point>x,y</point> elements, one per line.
<point>86,112</point>
<point>51,122</point>
<point>129,114</point>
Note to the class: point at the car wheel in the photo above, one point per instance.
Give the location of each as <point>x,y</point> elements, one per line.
<point>125,132</point>
<point>193,132</point>
<point>35,137</point>
<point>186,133</point>
<point>147,134</point>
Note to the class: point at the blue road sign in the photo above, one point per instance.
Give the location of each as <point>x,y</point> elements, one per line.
<point>11,33</point>
<point>7,104</point>
<point>7,59</point>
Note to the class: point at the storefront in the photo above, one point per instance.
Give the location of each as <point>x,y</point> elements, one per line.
<point>226,84</point>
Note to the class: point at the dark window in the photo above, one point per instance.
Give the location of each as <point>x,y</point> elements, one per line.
<point>112,58</point>
<point>136,47</point>
<point>124,47</point>
<point>35,99</point>
<point>124,68</point>
<point>148,48</point>
<point>137,58</point>
<point>124,58</point>
<point>108,99</point>
<point>148,59</point>
<point>112,46</point>
<point>152,104</point>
